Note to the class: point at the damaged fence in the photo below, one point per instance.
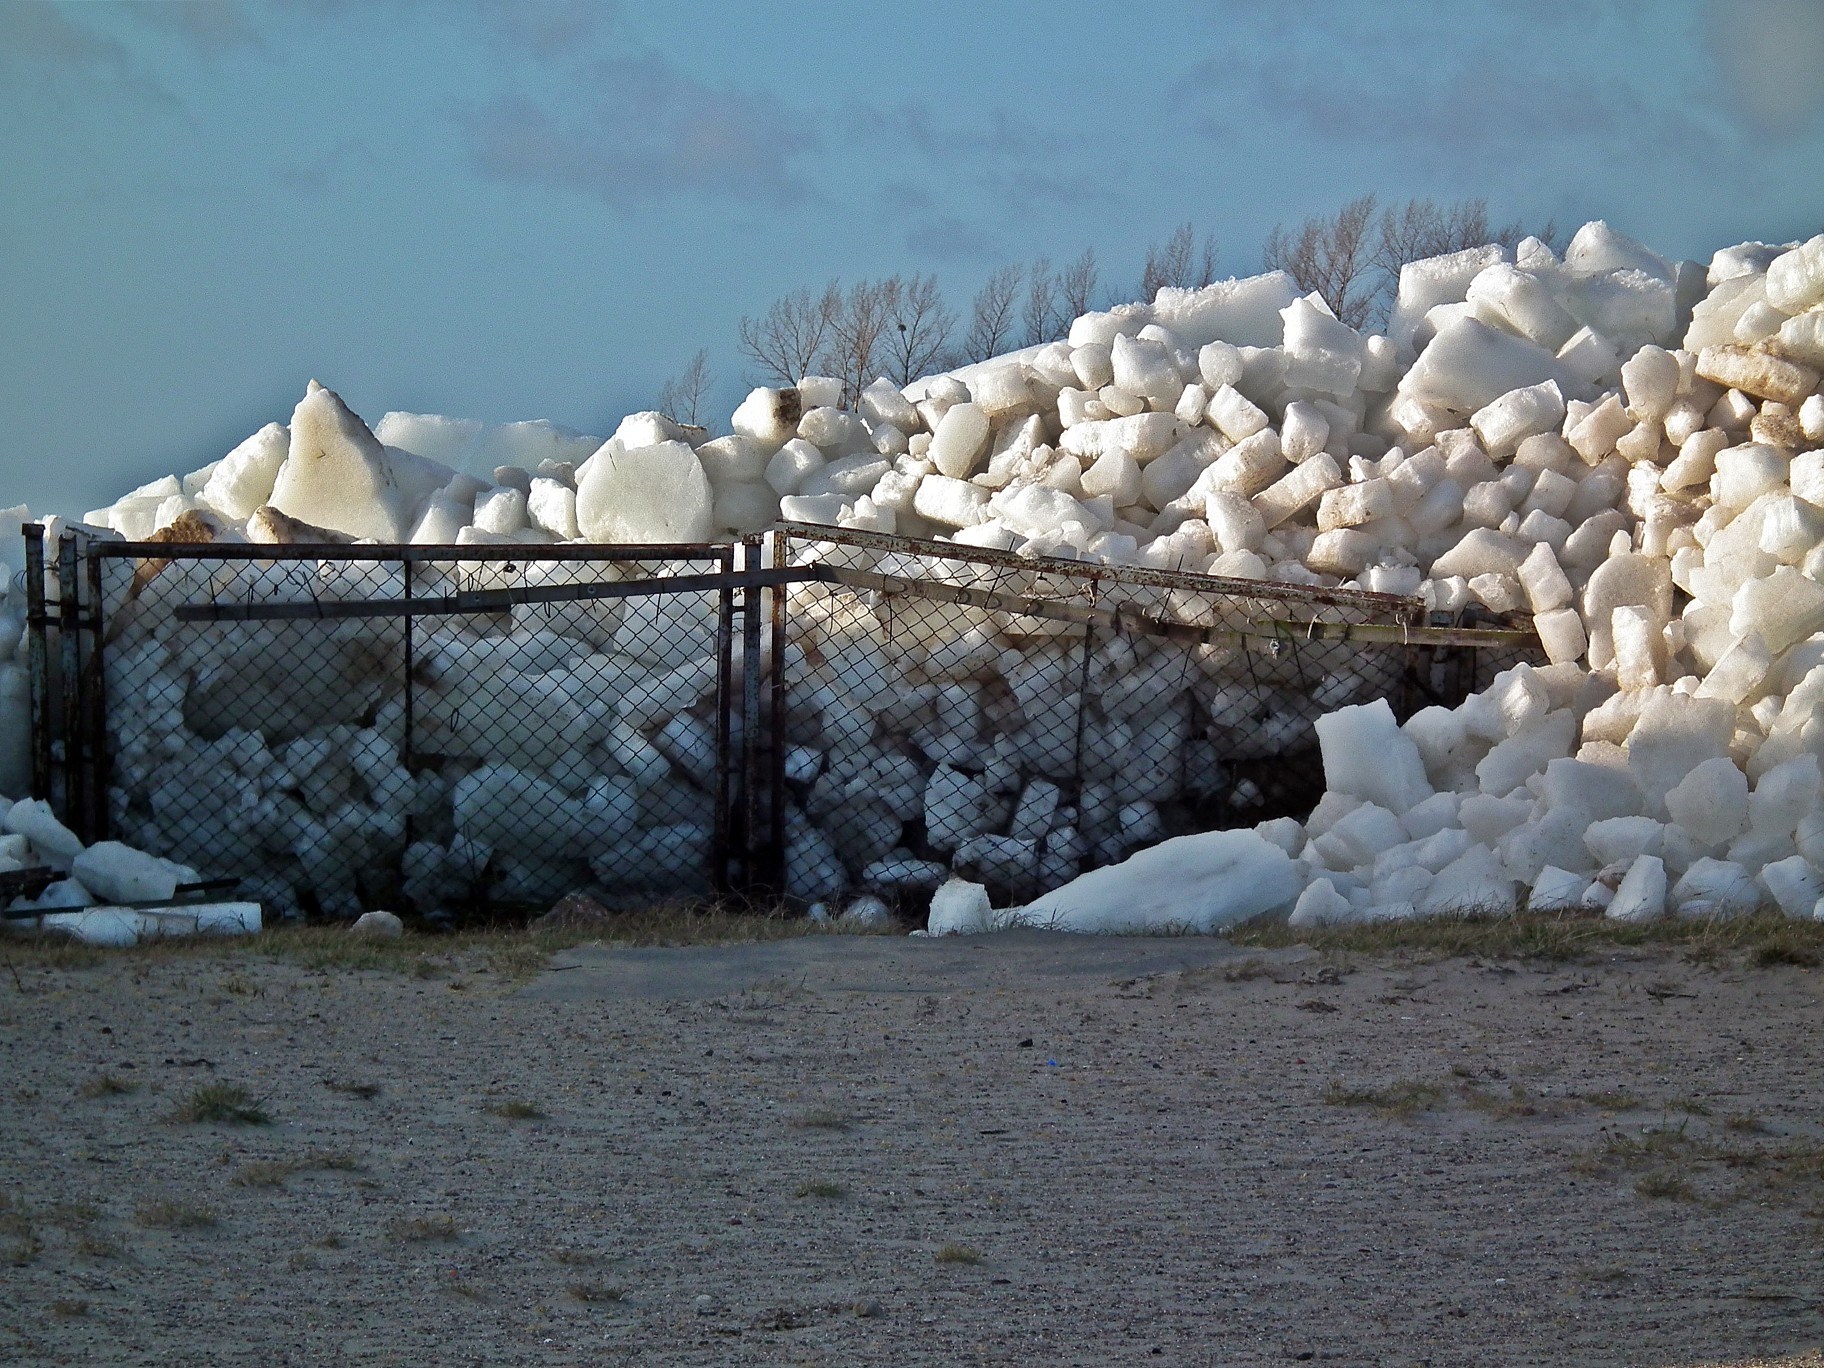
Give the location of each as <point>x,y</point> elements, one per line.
<point>818,713</point>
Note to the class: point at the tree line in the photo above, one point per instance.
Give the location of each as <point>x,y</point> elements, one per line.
<point>901,327</point>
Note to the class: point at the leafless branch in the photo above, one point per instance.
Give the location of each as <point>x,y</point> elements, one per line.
<point>682,396</point>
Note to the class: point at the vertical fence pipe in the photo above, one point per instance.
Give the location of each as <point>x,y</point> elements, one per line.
<point>753,777</point>
<point>776,732</point>
<point>37,622</point>
<point>408,699</point>
<point>70,624</point>
<point>95,702</point>
<point>725,642</point>
<point>1076,760</point>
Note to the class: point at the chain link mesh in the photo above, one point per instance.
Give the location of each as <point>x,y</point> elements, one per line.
<point>418,759</point>
<point>931,735</point>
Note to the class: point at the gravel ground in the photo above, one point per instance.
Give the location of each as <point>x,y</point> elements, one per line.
<point>1012,1150</point>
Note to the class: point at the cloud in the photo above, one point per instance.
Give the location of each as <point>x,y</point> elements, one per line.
<point>1018,164</point>
<point>42,36</point>
<point>951,239</point>
<point>1771,59</point>
<point>546,29</point>
<point>211,27</point>
<point>1483,114</point>
<point>630,132</point>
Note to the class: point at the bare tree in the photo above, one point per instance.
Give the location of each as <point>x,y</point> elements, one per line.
<point>681,396</point>
<point>992,315</point>
<point>1078,285</point>
<point>919,331</point>
<point>1335,256</point>
<point>1179,262</point>
<point>858,328</point>
<point>1040,315</point>
<point>787,340</point>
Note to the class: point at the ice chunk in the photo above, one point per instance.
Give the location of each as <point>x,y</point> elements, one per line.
<point>958,441</point>
<point>960,908</point>
<point>1469,364</point>
<point>1642,895</point>
<point>1556,890</point>
<point>1472,884</point>
<point>954,503</point>
<point>1711,802</point>
<point>1322,354</point>
<point>243,479</point>
<point>1714,888</point>
<point>1245,312</point>
<point>769,415</point>
<point>1794,885</point>
<point>1432,281</point>
<point>336,474</point>
<point>1784,608</point>
<point>651,494</point>
<point>1676,734</point>
<point>1795,279</point>
<point>118,873</point>
<point>56,845</point>
<point>1205,883</point>
<point>1366,755</point>
<point>1504,423</point>
<point>1298,489</point>
<point>1757,372</point>
<point>1321,905</point>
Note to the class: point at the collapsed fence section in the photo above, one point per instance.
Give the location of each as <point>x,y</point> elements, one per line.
<point>1019,721</point>
<point>447,727</point>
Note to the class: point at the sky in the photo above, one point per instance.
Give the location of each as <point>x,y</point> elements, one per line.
<point>542,209</point>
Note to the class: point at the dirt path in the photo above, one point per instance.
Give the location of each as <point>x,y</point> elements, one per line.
<point>1008,1151</point>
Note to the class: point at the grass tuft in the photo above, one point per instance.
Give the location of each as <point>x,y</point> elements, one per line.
<point>821,1187</point>
<point>365,1091</point>
<point>1764,939</point>
<point>107,1085</point>
<point>515,1109</point>
<point>1618,1100</point>
<point>422,1229</point>
<point>595,1292</point>
<point>69,1309</point>
<point>173,1215</point>
<point>1663,1183</point>
<point>953,1253</point>
<point>222,1103</point>
<point>821,1118</point>
<point>1401,1100</point>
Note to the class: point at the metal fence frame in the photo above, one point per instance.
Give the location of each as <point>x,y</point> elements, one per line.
<point>68,638</point>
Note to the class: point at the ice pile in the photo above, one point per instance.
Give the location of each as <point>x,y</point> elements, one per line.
<point>1621,449</point>
<point>93,900</point>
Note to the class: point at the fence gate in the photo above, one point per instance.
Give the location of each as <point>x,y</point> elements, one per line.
<point>425,727</point>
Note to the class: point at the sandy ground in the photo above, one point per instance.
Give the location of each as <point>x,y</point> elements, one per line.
<point>1024,1149</point>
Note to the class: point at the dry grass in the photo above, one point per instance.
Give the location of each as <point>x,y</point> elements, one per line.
<point>69,1309</point>
<point>270,1173</point>
<point>172,1215</point>
<point>1619,1099</point>
<point>1401,1100</point>
<point>821,1188</point>
<point>422,1229</point>
<point>515,1109</point>
<point>512,953</point>
<point>1684,1164</point>
<point>821,1118</point>
<point>953,1253</point>
<point>595,1292</point>
<point>222,1104</point>
<point>107,1085</point>
<point>1763,939</point>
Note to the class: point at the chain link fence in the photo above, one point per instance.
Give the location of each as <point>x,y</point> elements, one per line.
<point>442,729</point>
<point>385,727</point>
